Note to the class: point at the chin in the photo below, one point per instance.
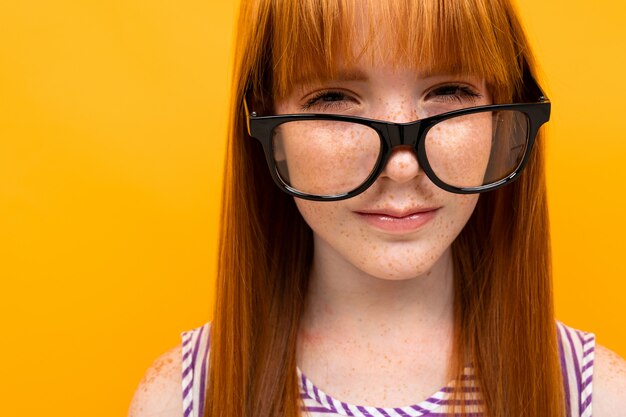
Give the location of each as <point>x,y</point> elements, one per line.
<point>400,271</point>
<point>404,262</point>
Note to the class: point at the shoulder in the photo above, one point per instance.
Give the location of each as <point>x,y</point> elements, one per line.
<point>609,384</point>
<point>159,392</point>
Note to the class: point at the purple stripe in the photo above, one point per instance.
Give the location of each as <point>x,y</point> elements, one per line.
<point>586,382</point>
<point>581,337</point>
<point>346,409</point>
<point>401,412</point>
<point>313,393</point>
<point>364,411</point>
<point>304,387</point>
<point>203,376</point>
<point>433,400</point>
<point>197,345</point>
<point>186,390</point>
<point>187,412</point>
<point>330,402</point>
<point>383,412</point>
<point>316,394</point>
<point>418,408</point>
<point>187,341</point>
<point>321,410</point>
<point>576,365</point>
<point>187,337</point>
<point>459,402</point>
<point>193,361</point>
<point>586,403</point>
<point>587,365</point>
<point>564,371</point>
<point>583,341</point>
<point>463,389</point>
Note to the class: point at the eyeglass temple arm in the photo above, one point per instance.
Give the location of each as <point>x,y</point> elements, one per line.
<point>247,113</point>
<point>532,90</point>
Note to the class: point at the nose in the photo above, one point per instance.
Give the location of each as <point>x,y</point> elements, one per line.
<point>402,165</point>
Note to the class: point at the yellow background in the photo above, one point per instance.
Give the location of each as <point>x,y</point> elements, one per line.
<point>112,124</point>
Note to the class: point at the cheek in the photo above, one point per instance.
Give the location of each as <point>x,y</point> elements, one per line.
<point>325,157</point>
<point>381,255</point>
<point>458,149</point>
<point>322,217</point>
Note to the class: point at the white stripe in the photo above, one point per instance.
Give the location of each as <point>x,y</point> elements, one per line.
<point>587,412</point>
<point>354,410</point>
<point>187,362</point>
<point>585,394</point>
<point>412,412</point>
<point>309,388</point>
<point>187,400</point>
<point>190,338</point>
<point>439,395</point>
<point>188,379</point>
<point>429,405</point>
<point>337,405</point>
<point>590,356</point>
<point>393,413</point>
<point>373,411</point>
<point>325,399</point>
<point>578,347</point>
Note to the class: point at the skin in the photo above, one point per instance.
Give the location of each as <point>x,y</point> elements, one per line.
<point>364,278</point>
<point>379,298</point>
<point>159,392</point>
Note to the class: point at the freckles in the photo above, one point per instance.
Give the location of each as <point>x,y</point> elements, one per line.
<point>394,111</point>
<point>391,259</point>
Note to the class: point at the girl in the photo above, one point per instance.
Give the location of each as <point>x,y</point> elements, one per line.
<point>384,248</point>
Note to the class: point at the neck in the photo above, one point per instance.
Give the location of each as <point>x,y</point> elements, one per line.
<point>343,300</point>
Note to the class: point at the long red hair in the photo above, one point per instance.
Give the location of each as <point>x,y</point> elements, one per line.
<point>504,320</point>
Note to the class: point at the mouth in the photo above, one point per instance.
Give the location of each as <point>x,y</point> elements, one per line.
<point>398,221</point>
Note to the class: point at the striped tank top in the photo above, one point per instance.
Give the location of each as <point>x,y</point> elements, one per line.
<point>576,350</point>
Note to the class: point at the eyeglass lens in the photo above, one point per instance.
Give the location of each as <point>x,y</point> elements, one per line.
<point>330,157</point>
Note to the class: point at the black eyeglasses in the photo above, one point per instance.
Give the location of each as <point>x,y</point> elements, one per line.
<point>329,157</point>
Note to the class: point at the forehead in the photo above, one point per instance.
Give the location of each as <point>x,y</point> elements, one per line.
<point>321,39</point>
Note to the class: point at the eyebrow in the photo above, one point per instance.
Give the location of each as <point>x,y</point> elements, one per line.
<point>356,74</point>
<point>342,75</point>
<point>352,74</point>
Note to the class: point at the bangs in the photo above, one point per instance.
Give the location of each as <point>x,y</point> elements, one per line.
<point>464,37</point>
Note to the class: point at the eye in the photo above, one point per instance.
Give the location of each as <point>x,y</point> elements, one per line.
<point>458,93</point>
<point>328,100</point>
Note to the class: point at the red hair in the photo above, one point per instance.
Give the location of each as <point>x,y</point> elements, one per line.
<point>504,320</point>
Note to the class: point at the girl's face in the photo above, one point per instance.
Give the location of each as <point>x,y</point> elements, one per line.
<point>403,224</point>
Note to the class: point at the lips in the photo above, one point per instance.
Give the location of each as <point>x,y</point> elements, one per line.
<point>398,221</point>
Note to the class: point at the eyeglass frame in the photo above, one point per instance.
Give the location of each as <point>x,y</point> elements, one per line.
<point>392,134</point>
